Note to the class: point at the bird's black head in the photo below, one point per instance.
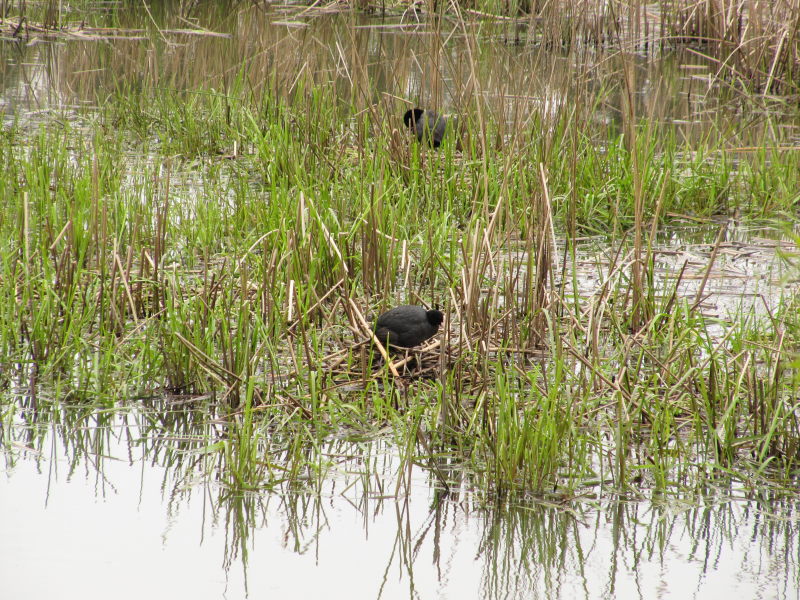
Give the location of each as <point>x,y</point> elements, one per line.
<point>412,117</point>
<point>435,317</point>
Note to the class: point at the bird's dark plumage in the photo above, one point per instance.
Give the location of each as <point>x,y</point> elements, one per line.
<point>407,326</point>
<point>427,125</point>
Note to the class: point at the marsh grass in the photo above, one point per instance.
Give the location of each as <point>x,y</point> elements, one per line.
<point>230,241</point>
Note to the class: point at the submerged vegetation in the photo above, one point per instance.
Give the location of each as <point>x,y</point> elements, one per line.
<point>223,235</point>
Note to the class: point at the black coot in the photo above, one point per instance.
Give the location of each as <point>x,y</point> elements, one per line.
<point>407,326</point>
<point>427,124</point>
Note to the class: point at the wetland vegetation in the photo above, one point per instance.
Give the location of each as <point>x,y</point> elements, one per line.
<point>205,205</point>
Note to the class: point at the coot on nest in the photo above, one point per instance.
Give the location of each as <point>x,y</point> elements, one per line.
<point>407,326</point>
<point>426,124</point>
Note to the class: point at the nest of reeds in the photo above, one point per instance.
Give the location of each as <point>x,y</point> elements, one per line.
<point>364,361</point>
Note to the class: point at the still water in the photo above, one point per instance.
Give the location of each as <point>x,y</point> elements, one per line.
<point>106,516</point>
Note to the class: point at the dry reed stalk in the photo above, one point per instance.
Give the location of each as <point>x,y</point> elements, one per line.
<point>216,371</point>
<point>359,318</point>
<point>543,240</point>
<point>316,305</point>
<point>711,260</point>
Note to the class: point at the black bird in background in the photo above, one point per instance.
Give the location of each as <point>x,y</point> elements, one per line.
<point>407,326</point>
<point>427,125</point>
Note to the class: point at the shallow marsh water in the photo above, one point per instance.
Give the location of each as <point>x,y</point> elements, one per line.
<point>750,275</point>
<point>125,503</point>
<point>372,60</point>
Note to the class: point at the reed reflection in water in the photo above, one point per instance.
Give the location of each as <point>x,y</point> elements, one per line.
<point>130,499</point>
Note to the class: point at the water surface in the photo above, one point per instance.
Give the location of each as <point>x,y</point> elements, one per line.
<point>112,517</point>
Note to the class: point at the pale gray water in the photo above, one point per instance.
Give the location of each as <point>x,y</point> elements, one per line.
<point>131,531</point>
